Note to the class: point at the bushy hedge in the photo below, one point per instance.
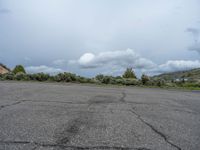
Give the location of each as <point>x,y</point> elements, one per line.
<point>116,80</point>
<point>61,77</point>
<point>65,77</point>
<point>39,77</point>
<point>134,82</point>
<point>8,76</point>
<point>21,76</point>
<point>99,79</point>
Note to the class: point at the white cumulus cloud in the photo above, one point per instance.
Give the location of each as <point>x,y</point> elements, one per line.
<point>44,69</point>
<point>127,58</point>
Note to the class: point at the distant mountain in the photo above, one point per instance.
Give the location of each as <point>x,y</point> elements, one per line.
<point>193,74</point>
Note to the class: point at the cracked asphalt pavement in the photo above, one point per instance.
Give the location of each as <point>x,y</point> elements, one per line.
<point>52,116</point>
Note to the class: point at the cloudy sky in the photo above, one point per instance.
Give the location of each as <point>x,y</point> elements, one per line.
<point>88,37</point>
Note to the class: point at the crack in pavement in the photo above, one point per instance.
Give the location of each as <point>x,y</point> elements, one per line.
<point>36,147</point>
<point>122,99</point>
<point>155,130</point>
<point>63,146</point>
<point>47,101</point>
<point>18,102</point>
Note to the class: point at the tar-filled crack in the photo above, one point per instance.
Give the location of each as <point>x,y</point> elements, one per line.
<point>65,146</point>
<point>155,130</point>
<point>47,101</point>
<point>15,103</point>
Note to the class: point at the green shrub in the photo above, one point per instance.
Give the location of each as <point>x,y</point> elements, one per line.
<point>1,76</point>
<point>81,79</point>
<point>39,77</point>
<point>145,79</point>
<point>106,80</point>
<point>189,84</point>
<point>160,83</point>
<point>133,82</point>
<point>8,76</point>
<point>150,82</point>
<point>65,77</point>
<point>19,68</point>
<point>119,81</point>
<point>170,84</point>
<point>21,76</point>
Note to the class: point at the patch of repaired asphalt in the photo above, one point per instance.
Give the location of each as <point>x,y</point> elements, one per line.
<point>68,131</point>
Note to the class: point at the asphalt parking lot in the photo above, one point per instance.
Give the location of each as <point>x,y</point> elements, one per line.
<point>52,116</point>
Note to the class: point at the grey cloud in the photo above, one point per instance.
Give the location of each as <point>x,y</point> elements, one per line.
<point>59,62</point>
<point>196,45</point>
<point>115,62</point>
<point>176,65</point>
<point>194,31</point>
<point>4,11</point>
<point>28,59</point>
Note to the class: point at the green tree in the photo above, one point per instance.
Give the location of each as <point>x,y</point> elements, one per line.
<point>144,79</point>
<point>19,68</point>
<point>129,73</point>
<point>99,77</point>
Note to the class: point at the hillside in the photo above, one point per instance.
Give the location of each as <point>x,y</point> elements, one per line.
<point>193,74</point>
<point>3,69</point>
